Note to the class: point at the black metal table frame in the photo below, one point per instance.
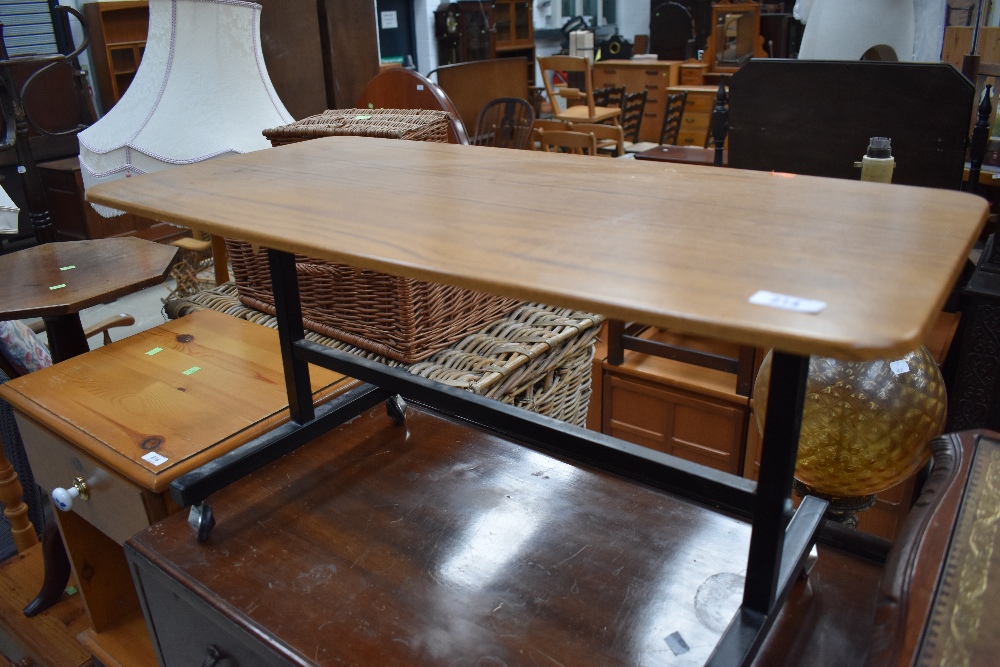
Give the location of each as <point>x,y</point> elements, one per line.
<point>781,539</point>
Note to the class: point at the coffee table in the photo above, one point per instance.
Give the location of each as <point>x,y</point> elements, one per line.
<point>659,248</point>
<point>56,281</point>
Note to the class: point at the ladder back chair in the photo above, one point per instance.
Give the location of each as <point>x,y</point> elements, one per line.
<point>672,117</point>
<point>588,112</point>
<point>633,107</point>
<point>609,96</point>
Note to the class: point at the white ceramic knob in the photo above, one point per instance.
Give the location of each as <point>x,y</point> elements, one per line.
<point>63,498</point>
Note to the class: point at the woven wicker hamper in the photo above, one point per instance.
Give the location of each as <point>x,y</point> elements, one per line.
<point>536,357</point>
<point>400,318</point>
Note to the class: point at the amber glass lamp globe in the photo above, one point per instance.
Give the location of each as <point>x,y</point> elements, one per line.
<point>866,426</point>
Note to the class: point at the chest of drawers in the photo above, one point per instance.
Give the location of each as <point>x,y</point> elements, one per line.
<point>697,114</point>
<point>654,77</point>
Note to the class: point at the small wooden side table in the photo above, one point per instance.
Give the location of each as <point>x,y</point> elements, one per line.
<point>56,281</point>
<point>129,418</point>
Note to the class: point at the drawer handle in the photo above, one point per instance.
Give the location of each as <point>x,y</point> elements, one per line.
<point>63,498</point>
<point>213,656</point>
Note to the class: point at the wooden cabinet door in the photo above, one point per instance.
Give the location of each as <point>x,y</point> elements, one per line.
<point>692,426</point>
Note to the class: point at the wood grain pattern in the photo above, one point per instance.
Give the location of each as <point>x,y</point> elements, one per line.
<point>105,269</point>
<point>436,542</point>
<point>118,403</point>
<point>49,638</point>
<point>100,571</point>
<point>691,243</point>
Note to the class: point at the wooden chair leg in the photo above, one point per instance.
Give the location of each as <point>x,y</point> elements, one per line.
<point>57,571</point>
<point>12,496</point>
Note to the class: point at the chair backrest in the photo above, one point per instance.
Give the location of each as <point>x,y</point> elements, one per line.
<point>673,114</point>
<point>609,96</point>
<point>567,64</point>
<point>605,135</point>
<point>401,88</point>
<point>546,125</point>
<point>505,122</point>
<point>579,143</point>
<point>633,107</point>
<point>471,85</point>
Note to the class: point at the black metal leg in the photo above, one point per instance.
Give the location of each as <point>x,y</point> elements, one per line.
<point>774,486</point>
<point>288,307</point>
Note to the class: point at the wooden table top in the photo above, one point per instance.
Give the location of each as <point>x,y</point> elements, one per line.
<point>188,390</point>
<point>681,248</point>
<point>90,272</point>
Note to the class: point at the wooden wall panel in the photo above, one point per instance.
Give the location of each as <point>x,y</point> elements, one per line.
<point>319,53</point>
<point>352,49</point>
<point>293,53</point>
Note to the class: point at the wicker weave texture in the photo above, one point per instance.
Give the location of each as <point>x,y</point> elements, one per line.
<point>412,124</point>
<point>536,357</point>
<point>404,319</point>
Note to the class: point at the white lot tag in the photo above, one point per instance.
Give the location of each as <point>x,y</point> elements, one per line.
<point>786,302</point>
<point>899,367</point>
<point>155,459</point>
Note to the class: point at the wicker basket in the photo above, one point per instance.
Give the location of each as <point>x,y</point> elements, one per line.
<point>536,357</point>
<point>412,124</point>
<point>403,319</point>
<point>400,318</point>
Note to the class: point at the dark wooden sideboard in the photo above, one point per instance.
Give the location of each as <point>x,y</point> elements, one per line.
<point>442,520</point>
<point>74,219</point>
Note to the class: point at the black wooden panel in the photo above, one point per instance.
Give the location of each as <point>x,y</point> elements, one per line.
<point>815,117</point>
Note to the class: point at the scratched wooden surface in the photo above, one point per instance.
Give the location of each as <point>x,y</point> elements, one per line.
<point>678,246</point>
<point>92,271</point>
<point>216,382</point>
<point>435,543</point>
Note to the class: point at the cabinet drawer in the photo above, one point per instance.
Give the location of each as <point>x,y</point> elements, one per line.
<point>115,506</point>
<point>699,104</point>
<point>689,138</point>
<point>184,627</point>
<point>697,123</point>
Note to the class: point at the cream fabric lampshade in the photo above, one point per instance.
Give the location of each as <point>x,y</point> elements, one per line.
<point>202,91</point>
<point>845,29</point>
<point>8,214</point>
